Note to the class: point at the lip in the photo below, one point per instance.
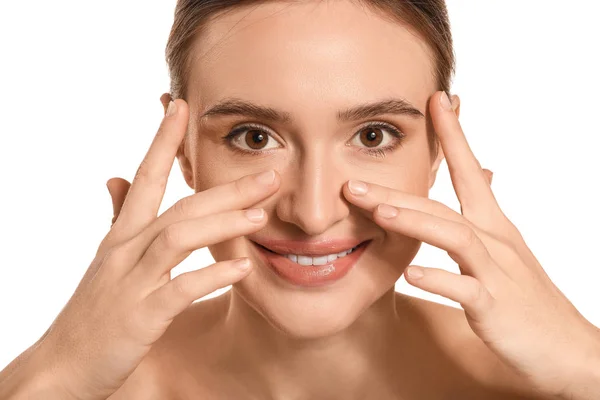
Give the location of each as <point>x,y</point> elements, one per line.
<point>314,275</point>
<point>309,248</point>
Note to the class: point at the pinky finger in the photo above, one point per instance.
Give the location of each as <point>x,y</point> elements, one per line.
<point>166,302</point>
<point>472,295</point>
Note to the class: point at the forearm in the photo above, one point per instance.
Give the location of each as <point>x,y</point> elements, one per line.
<point>585,383</point>
<point>28,378</point>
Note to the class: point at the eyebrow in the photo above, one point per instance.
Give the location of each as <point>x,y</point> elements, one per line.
<point>236,106</point>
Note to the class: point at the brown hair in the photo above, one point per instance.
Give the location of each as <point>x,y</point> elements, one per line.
<point>428,18</point>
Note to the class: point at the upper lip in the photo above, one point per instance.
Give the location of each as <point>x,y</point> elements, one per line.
<point>313,248</point>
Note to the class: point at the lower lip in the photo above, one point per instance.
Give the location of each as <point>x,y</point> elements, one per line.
<point>313,275</point>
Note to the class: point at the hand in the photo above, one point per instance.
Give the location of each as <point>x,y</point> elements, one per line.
<point>508,299</point>
<point>127,299</point>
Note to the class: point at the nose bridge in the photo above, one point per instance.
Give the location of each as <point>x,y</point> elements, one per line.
<point>313,196</point>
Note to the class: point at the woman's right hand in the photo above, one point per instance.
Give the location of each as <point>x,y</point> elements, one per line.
<point>127,299</point>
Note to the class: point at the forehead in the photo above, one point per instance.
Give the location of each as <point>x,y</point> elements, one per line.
<point>309,54</point>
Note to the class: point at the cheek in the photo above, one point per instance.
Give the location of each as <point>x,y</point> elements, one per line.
<point>417,167</point>
<point>408,170</point>
<point>229,249</point>
<point>212,167</point>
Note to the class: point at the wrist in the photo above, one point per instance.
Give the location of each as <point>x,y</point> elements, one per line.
<point>51,376</point>
<point>30,379</point>
<point>585,383</point>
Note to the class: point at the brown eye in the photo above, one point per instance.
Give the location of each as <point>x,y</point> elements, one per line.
<point>251,138</point>
<point>377,138</point>
<point>256,139</point>
<point>371,137</point>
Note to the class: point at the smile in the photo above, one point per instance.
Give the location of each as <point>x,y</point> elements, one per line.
<point>310,270</point>
<point>308,260</point>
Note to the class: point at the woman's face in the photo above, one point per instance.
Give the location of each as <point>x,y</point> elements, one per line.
<point>311,60</point>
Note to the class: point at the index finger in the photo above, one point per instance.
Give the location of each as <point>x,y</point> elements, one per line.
<point>148,187</point>
<point>469,180</point>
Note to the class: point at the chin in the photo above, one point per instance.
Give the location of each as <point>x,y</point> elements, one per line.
<point>320,311</point>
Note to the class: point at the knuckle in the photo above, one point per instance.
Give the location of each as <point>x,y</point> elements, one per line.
<point>143,174</point>
<point>479,295</point>
<point>116,257</point>
<point>440,208</point>
<point>182,208</point>
<point>142,171</point>
<point>171,236</point>
<point>239,189</point>
<point>465,237</point>
<point>159,181</point>
<point>388,198</point>
<point>180,286</point>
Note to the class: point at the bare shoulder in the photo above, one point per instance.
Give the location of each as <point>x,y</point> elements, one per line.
<point>448,327</point>
<point>162,373</point>
<point>165,372</point>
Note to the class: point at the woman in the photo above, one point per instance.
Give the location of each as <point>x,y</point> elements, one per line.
<point>281,108</point>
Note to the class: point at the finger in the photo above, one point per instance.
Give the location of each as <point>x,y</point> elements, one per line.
<point>177,241</point>
<point>377,194</point>
<point>169,300</point>
<point>468,179</point>
<point>147,189</point>
<point>165,99</point>
<point>243,193</point>
<point>368,195</point>
<point>489,175</point>
<point>459,240</point>
<point>472,295</point>
<point>118,188</point>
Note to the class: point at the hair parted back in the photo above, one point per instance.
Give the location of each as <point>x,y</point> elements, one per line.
<point>428,18</point>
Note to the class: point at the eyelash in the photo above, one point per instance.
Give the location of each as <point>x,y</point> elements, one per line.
<point>378,153</point>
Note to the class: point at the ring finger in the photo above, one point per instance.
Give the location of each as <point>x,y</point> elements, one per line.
<point>177,241</point>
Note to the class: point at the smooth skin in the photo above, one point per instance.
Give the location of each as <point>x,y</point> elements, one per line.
<point>128,289</point>
<point>509,301</point>
<point>127,295</point>
<point>264,339</point>
<point>521,304</point>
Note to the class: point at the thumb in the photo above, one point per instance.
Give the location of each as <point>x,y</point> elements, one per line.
<point>118,189</point>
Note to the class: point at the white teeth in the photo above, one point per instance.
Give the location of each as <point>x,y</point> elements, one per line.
<point>304,260</point>
<point>321,260</point>
<point>342,253</point>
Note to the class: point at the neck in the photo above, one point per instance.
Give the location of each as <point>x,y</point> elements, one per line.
<point>350,362</point>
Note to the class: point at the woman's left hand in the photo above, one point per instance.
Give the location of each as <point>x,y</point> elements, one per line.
<point>508,299</point>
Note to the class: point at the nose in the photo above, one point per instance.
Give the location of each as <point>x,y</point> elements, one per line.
<point>311,194</point>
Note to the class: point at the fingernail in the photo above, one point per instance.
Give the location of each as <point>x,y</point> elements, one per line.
<point>415,272</point>
<point>243,264</point>
<point>357,187</point>
<point>453,99</point>
<point>172,109</point>
<point>266,178</point>
<point>445,101</point>
<point>255,214</point>
<point>387,211</point>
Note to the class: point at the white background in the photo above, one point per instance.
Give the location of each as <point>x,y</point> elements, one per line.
<point>80,85</point>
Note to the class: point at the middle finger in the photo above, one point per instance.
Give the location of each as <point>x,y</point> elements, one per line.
<point>245,192</point>
<point>377,194</point>
<point>368,195</point>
